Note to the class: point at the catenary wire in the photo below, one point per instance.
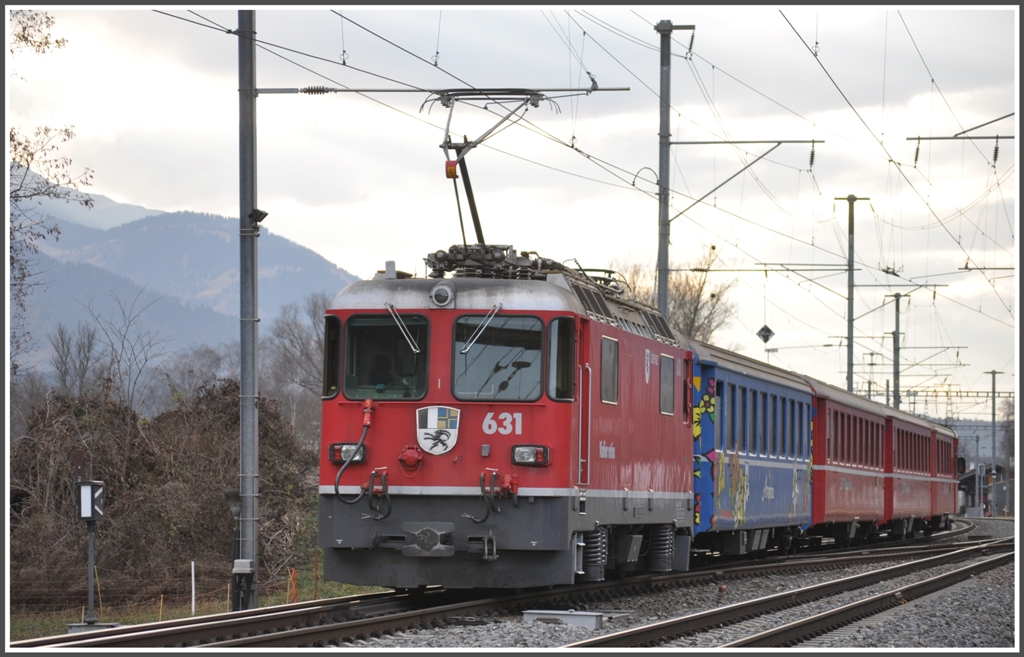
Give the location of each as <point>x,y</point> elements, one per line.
<point>604,165</point>
<point>899,168</point>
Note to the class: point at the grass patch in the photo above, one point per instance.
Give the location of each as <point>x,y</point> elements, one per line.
<point>28,624</point>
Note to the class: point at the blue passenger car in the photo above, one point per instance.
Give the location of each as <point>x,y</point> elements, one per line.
<point>752,453</point>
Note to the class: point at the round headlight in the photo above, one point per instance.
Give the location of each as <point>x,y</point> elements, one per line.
<point>442,295</point>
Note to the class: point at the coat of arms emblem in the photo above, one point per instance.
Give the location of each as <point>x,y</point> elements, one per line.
<point>437,428</point>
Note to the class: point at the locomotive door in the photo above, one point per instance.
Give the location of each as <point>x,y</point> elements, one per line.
<point>585,396</point>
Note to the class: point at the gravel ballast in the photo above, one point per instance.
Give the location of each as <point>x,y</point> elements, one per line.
<point>978,613</point>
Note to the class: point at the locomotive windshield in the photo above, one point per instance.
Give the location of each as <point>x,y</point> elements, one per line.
<point>380,362</point>
<point>503,363</point>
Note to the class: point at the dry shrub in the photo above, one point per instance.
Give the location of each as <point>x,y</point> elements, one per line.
<point>164,497</point>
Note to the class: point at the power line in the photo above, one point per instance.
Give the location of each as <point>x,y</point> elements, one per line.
<point>941,95</point>
<point>603,164</point>
<point>898,168</point>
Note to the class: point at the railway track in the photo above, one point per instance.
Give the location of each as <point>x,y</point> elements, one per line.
<point>341,620</point>
<point>757,614</point>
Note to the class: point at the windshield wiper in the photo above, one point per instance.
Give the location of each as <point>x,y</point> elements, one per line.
<point>405,330</point>
<point>480,329</point>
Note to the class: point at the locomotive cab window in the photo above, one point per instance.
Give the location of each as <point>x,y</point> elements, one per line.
<point>561,359</point>
<point>381,361</point>
<point>502,358</point>
<point>332,356</point>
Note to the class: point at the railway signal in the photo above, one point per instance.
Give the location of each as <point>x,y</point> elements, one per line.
<point>90,509</point>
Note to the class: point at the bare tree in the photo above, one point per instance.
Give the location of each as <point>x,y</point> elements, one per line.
<point>297,341</point>
<point>186,372</point>
<point>75,358</point>
<point>129,349</point>
<point>696,306</point>
<point>294,369</point>
<point>30,30</point>
<point>28,391</point>
<point>36,172</point>
<point>61,342</point>
<point>1006,434</point>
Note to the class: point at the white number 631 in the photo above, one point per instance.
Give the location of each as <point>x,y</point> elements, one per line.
<point>509,423</point>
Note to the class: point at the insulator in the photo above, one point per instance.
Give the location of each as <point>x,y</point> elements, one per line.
<point>812,157</point>
<point>917,151</point>
<point>315,91</point>
<point>995,154</point>
<point>659,556</point>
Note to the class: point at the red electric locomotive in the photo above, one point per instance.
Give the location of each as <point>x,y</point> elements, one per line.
<point>504,422</point>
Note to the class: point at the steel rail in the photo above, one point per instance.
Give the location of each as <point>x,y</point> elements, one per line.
<point>218,628</point>
<point>656,633</point>
<point>196,628</point>
<point>797,631</point>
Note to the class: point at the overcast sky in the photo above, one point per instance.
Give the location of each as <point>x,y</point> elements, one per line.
<point>360,178</point>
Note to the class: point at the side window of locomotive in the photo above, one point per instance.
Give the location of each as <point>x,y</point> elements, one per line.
<point>380,360</point>
<point>667,372</point>
<point>502,359</point>
<point>609,370</point>
<point>332,356</point>
<point>562,359</point>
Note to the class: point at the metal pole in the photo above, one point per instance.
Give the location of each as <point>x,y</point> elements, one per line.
<point>896,357</point>
<point>849,302</point>
<point>248,474</point>
<point>849,295</point>
<point>90,618</point>
<point>977,471</point>
<point>664,28</point>
<point>994,477</point>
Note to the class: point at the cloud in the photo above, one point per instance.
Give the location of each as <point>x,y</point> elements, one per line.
<point>360,180</point>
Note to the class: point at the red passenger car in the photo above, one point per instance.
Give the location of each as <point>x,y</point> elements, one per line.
<point>944,478</point>
<point>849,472</point>
<point>909,449</point>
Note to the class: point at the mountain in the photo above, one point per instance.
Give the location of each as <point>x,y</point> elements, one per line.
<point>105,212</point>
<point>73,292</point>
<point>182,266</point>
<point>194,257</point>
